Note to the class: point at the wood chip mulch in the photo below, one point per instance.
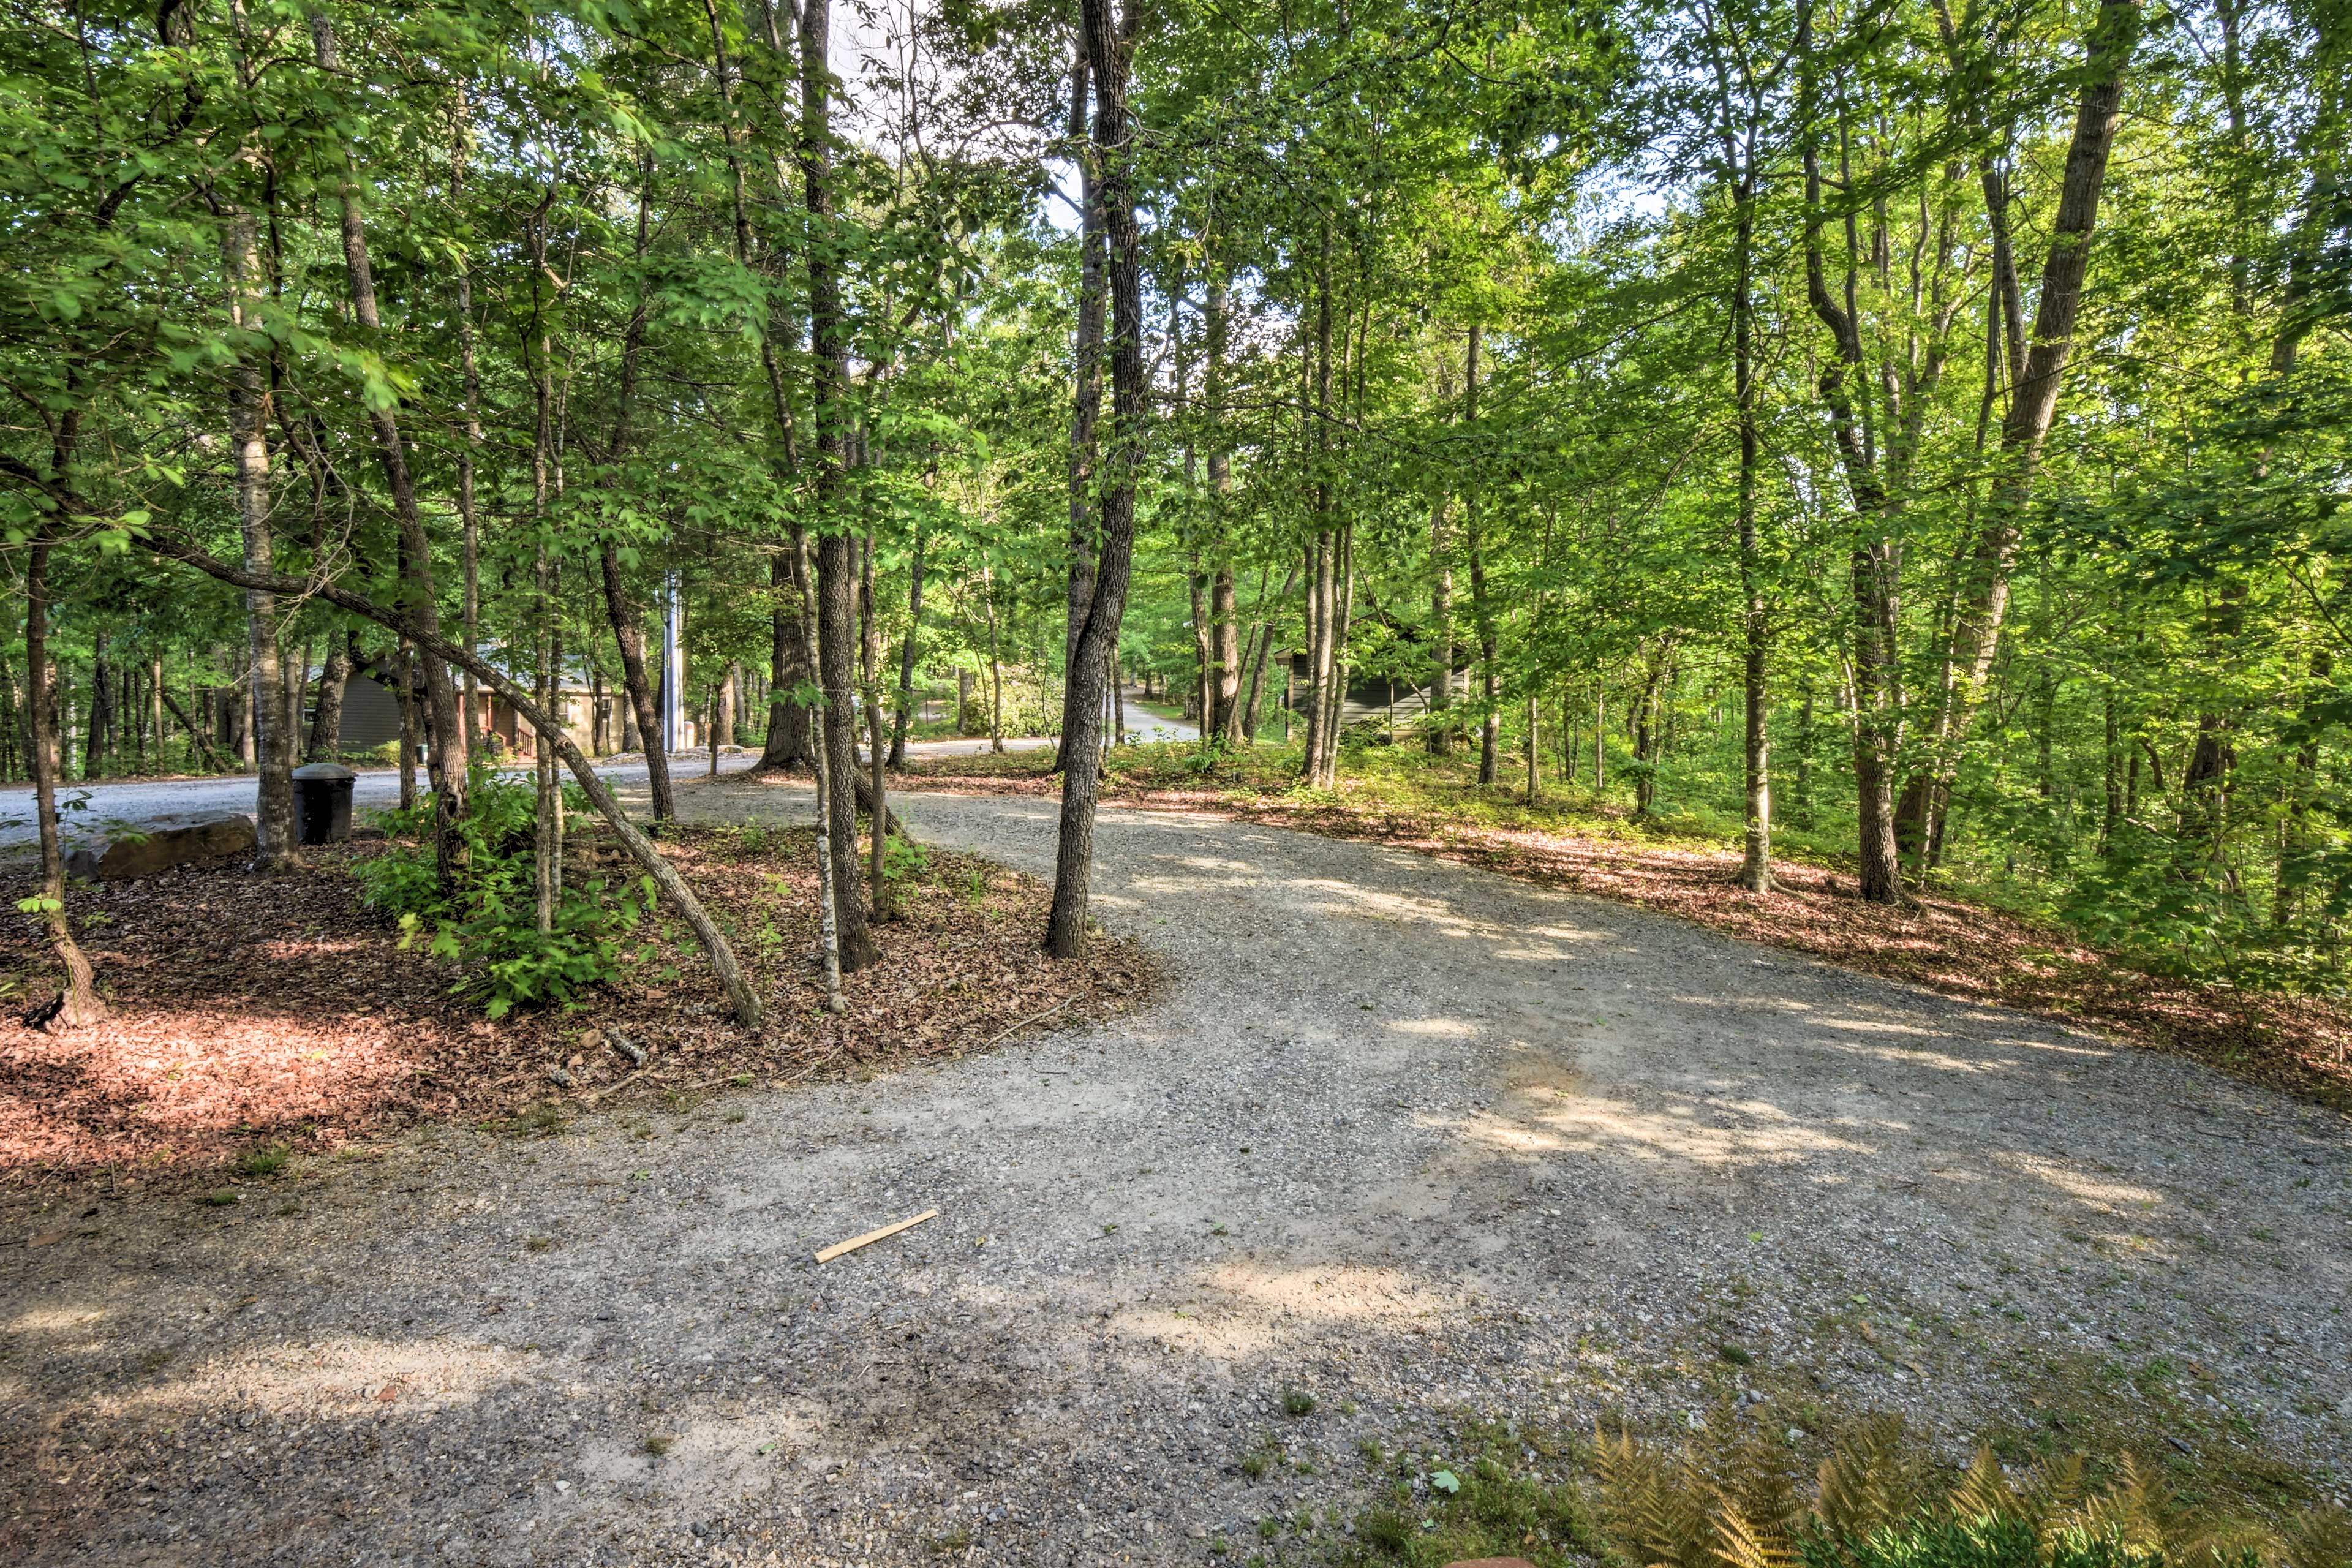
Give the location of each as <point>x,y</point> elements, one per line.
<point>250,1012</point>
<point>2300,1044</point>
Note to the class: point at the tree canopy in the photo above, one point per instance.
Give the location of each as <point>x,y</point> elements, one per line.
<point>1913,433</point>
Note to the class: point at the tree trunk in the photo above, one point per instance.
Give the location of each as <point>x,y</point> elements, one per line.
<point>1321,591</point>
<point>1232,714</point>
<point>1872,574</point>
<point>476,722</point>
<point>996,665</point>
<point>2034,401</point>
<point>1085,406</point>
<point>547,798</point>
<point>77,1005</point>
<point>101,713</point>
<point>723,724</point>
<point>248,419</point>
<point>1203,708</point>
<point>787,745</point>
<point>907,655</point>
<point>629,638</point>
<point>1755,622</point>
<point>1535,772</point>
<point>1065,925</point>
<point>599,730</point>
<point>1481,611</point>
<point>327,723</point>
<point>742,1002</point>
<point>1438,733</point>
<point>1600,740</point>
<point>420,602</point>
<point>1342,624</point>
<point>836,580</point>
<point>155,705</point>
<point>872,797</point>
<point>1225,660</point>
<point>199,741</point>
<point>1645,740</point>
<point>404,681</point>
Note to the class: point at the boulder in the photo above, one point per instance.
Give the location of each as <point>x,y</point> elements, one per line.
<point>133,856</point>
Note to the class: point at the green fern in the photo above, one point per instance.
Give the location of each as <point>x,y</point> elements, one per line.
<point>1739,1506</point>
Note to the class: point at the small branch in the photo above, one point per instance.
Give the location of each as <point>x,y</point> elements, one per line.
<point>1018,1027</point>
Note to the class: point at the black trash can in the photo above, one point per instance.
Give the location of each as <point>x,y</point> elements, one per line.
<point>322,802</point>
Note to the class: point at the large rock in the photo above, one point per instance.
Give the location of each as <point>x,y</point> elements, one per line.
<point>133,856</point>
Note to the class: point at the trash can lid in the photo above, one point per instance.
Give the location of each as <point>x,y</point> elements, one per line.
<point>331,772</point>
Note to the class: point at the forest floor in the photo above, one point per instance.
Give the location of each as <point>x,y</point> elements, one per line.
<point>254,1020</point>
<point>2300,1044</point>
<point>1403,1161</point>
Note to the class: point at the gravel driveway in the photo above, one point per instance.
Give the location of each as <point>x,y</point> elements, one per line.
<point>1412,1140</point>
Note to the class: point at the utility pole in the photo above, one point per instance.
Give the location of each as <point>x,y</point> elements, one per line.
<point>673,689</point>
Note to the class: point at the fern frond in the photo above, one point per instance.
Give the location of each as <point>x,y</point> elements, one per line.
<point>2194,1541</point>
<point>1985,1492</point>
<point>1867,1482</point>
<point>2056,1488</point>
<point>2131,1509</point>
<point>2323,1539</point>
<point>1655,1511</point>
<point>1760,1479</point>
<point>1742,1543</point>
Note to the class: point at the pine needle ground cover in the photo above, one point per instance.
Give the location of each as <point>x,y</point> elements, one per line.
<point>253,1019</point>
<point>1685,867</point>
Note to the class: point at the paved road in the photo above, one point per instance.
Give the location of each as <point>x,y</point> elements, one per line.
<point>1414,1140</point>
<point>149,804</point>
<point>1142,724</point>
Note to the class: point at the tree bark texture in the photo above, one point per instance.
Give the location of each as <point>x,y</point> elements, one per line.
<point>1065,925</point>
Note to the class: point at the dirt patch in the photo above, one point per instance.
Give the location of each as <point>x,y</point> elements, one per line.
<point>2299,1043</point>
<point>256,1013</point>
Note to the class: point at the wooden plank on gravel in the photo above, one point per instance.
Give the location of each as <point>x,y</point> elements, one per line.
<point>871,1237</point>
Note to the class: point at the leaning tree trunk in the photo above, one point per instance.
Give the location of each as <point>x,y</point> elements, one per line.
<point>77,1004</point>
<point>2033,403</point>
<point>629,637</point>
<point>743,1004</point>
<point>1066,923</point>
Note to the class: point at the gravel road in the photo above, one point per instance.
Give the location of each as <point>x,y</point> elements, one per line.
<point>1413,1140</point>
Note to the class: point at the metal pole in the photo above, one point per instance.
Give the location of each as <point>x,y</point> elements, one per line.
<point>673,670</point>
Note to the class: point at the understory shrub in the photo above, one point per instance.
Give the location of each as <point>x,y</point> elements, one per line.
<point>487,923</point>
<point>1876,1502</point>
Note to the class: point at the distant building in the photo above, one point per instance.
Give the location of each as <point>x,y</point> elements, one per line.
<point>370,719</point>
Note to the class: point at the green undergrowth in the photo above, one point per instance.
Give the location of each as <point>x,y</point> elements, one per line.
<point>486,924</point>
<point>1738,1495</point>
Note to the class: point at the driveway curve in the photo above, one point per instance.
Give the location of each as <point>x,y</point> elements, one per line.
<point>1412,1140</point>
